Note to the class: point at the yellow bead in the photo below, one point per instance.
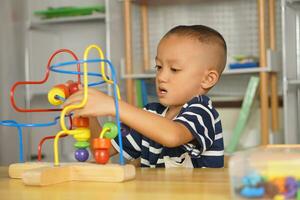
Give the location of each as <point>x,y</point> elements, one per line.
<point>279,197</point>
<point>83,134</point>
<point>51,96</point>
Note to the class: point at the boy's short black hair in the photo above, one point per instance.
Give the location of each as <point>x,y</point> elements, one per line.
<point>204,34</point>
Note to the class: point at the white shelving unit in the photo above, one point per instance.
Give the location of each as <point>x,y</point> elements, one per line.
<point>291,69</point>
<point>44,36</point>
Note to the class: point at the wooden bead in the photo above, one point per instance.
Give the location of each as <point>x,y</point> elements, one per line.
<point>83,134</point>
<point>101,156</point>
<point>73,87</point>
<point>64,88</point>
<point>80,122</point>
<point>52,96</point>
<point>113,130</point>
<point>101,143</point>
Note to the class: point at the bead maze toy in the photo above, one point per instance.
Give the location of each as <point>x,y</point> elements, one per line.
<point>42,173</point>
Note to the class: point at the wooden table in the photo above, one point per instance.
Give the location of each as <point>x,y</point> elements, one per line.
<point>154,184</point>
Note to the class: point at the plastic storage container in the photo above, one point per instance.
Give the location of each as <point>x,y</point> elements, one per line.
<point>269,172</point>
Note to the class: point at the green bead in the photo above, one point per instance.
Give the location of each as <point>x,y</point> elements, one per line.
<point>81,144</point>
<point>113,130</point>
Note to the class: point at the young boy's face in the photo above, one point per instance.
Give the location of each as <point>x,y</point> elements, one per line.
<point>182,64</point>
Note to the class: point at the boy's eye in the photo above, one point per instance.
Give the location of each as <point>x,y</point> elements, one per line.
<point>157,67</point>
<point>174,70</point>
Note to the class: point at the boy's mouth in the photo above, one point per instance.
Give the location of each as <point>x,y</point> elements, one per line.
<point>162,91</point>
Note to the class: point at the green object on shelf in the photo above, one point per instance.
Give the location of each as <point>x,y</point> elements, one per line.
<point>69,11</point>
<point>244,114</point>
<point>139,96</point>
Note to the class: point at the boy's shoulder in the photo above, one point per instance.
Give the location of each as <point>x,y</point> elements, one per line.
<point>200,103</point>
<point>200,99</point>
<point>155,107</point>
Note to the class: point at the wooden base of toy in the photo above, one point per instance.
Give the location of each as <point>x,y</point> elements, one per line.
<point>42,174</point>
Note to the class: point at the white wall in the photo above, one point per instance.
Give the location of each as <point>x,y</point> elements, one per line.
<point>11,69</point>
<point>251,134</point>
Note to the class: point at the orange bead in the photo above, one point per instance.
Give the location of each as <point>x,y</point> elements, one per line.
<point>80,121</point>
<point>280,183</point>
<point>64,88</point>
<point>101,143</point>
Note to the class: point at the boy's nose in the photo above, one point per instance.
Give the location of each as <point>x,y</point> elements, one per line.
<point>163,76</point>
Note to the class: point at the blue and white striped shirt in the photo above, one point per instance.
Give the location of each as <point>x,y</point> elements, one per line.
<point>205,150</point>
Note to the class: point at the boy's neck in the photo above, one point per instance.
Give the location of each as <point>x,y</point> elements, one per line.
<point>173,111</point>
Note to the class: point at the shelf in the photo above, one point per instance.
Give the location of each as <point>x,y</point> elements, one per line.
<point>246,70</point>
<point>294,4</point>
<point>60,20</point>
<point>293,82</point>
<point>163,2</point>
<point>293,1</point>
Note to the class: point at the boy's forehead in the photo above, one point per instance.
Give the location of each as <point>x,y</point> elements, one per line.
<point>174,47</point>
<point>181,44</point>
<point>183,49</point>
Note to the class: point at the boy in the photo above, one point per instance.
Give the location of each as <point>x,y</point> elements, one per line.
<point>183,129</point>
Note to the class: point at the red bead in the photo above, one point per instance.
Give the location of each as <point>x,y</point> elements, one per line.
<point>68,83</point>
<point>101,156</point>
<point>80,122</point>
<point>73,87</point>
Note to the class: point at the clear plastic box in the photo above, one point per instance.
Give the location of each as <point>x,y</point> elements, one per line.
<point>268,172</point>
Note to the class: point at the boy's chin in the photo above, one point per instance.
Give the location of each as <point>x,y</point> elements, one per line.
<point>163,102</point>
<point>167,103</point>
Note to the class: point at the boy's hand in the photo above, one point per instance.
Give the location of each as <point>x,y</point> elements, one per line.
<point>98,103</point>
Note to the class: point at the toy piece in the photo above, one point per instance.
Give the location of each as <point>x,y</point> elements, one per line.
<point>82,124</point>
<point>252,192</point>
<point>17,169</point>
<point>102,144</point>
<point>42,174</point>
<point>101,150</point>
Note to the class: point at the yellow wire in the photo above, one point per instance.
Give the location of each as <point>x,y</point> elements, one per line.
<point>101,55</point>
<point>83,102</point>
<point>104,130</point>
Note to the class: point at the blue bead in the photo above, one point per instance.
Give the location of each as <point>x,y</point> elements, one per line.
<point>251,192</point>
<point>81,155</point>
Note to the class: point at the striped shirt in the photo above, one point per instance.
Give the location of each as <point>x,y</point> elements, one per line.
<point>205,150</point>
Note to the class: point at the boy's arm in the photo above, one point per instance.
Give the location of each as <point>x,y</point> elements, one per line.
<point>160,129</point>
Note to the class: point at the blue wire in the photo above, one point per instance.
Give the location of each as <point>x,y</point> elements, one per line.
<point>121,157</point>
<point>59,98</point>
<point>54,66</point>
<point>13,123</point>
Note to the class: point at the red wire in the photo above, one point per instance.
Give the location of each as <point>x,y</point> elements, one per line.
<point>50,137</point>
<point>12,91</point>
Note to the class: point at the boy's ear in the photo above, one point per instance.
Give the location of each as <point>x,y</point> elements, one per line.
<point>210,79</point>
